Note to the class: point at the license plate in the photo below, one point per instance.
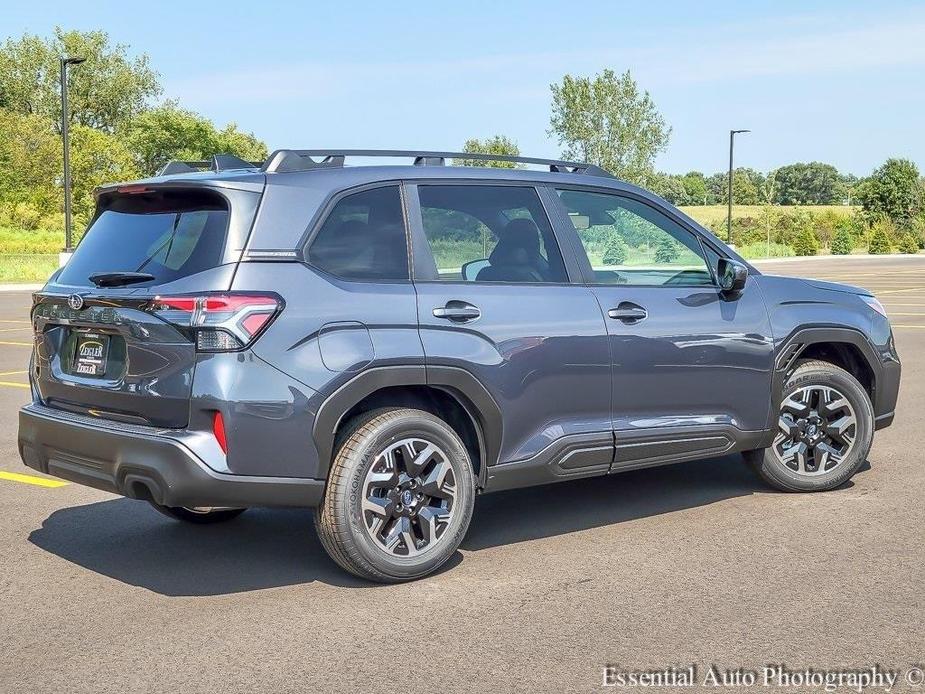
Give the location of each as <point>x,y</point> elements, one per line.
<point>90,354</point>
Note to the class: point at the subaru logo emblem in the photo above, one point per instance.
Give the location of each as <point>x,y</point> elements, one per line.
<point>75,301</point>
<point>407,498</point>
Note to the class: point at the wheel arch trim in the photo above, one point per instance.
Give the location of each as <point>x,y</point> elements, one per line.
<point>801,339</point>
<point>458,383</point>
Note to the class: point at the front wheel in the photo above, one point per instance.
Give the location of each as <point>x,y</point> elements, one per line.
<point>825,429</point>
<point>399,496</point>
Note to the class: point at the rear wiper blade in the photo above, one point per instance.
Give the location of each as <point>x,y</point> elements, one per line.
<point>119,279</point>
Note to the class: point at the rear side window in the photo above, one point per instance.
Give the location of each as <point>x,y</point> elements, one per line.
<point>363,237</point>
<point>169,235</point>
<point>489,234</point>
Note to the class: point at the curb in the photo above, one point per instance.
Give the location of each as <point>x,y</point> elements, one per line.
<point>856,256</point>
<point>20,287</point>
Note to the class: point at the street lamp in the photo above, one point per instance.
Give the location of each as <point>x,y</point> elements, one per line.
<point>732,134</point>
<point>67,150</point>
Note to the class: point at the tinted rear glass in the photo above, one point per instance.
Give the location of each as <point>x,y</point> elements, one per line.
<point>169,235</point>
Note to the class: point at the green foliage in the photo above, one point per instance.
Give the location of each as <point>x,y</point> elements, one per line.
<point>114,137</point>
<point>695,189</point>
<point>27,268</point>
<point>670,187</point>
<point>616,251</point>
<point>606,120</point>
<point>497,144</point>
<point>760,249</point>
<point>170,132</point>
<point>842,242</point>
<point>667,250</point>
<point>893,190</point>
<point>15,240</point>
<point>880,233</point>
<point>908,243</point>
<point>814,183</point>
<point>747,185</point>
<point>806,243</point>
<point>105,92</point>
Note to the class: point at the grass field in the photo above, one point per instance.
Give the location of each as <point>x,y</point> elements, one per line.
<point>711,213</point>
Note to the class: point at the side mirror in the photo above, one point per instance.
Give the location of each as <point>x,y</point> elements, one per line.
<point>732,276</point>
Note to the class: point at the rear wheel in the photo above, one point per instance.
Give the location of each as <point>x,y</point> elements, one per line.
<point>399,497</point>
<point>201,515</point>
<point>825,429</point>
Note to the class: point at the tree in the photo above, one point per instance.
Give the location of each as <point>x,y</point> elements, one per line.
<point>842,242</point>
<point>806,243</point>
<point>908,243</point>
<point>170,132</point>
<point>105,92</point>
<point>607,121</point>
<point>97,158</point>
<point>615,251</point>
<point>879,240</point>
<point>30,161</point>
<point>893,190</point>
<point>814,183</point>
<point>670,187</point>
<point>695,187</point>
<point>497,144</point>
<point>667,250</point>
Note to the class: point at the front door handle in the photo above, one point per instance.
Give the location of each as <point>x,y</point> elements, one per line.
<point>628,312</point>
<point>457,311</point>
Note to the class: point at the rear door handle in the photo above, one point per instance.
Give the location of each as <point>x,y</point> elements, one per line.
<point>628,312</point>
<point>458,311</point>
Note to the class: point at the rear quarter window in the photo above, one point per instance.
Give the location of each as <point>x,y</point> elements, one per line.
<point>363,238</point>
<point>167,234</point>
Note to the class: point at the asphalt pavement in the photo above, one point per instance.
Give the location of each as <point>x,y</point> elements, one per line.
<point>693,563</point>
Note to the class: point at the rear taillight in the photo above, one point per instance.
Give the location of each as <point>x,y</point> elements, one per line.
<point>218,430</point>
<point>220,322</point>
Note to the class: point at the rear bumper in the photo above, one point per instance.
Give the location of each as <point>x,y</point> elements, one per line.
<point>137,462</point>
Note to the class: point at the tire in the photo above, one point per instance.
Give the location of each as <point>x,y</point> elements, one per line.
<point>362,522</point>
<point>197,515</point>
<point>821,394</point>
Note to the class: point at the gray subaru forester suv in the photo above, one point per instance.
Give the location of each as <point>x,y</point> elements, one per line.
<point>382,343</point>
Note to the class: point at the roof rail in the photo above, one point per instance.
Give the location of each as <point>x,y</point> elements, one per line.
<point>218,162</point>
<point>286,160</point>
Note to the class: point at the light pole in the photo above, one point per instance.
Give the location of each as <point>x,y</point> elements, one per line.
<point>732,134</point>
<point>67,150</point>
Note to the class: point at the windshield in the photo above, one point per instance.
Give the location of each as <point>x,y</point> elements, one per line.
<point>166,235</point>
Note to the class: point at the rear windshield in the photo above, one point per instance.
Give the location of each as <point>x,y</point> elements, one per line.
<point>169,235</point>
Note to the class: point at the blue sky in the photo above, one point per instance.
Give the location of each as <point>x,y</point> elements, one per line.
<point>841,82</point>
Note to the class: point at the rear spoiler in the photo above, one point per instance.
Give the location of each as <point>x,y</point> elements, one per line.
<point>218,162</point>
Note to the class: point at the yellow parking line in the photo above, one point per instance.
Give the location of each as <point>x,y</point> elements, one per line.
<point>18,344</point>
<point>12,384</point>
<point>13,330</point>
<point>897,325</point>
<point>3,320</point>
<point>11,373</point>
<point>31,479</point>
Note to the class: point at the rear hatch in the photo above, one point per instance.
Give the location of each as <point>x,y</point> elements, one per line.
<point>102,347</point>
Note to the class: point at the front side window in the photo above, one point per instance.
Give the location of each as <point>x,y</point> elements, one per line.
<point>489,234</point>
<point>629,242</point>
<point>363,238</point>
